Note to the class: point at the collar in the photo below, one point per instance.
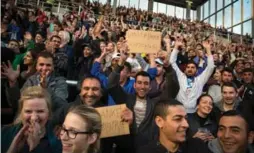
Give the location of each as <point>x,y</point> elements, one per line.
<point>163,149</point>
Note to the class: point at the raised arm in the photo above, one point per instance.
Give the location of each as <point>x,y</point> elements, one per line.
<point>96,68</point>
<point>114,87</point>
<point>173,58</point>
<point>205,75</point>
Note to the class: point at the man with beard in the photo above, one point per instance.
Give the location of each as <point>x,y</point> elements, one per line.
<point>91,94</point>
<point>170,117</point>
<point>191,86</point>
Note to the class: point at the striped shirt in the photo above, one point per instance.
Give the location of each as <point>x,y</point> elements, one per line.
<point>187,94</point>
<point>140,111</point>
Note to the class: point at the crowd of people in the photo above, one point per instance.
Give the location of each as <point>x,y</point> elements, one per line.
<point>195,95</point>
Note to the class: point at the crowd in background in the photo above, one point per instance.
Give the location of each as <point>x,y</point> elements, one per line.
<point>55,72</point>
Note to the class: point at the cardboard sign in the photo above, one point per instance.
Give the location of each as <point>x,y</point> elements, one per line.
<point>143,41</point>
<point>112,124</point>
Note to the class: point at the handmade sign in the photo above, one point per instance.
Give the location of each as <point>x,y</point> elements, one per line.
<point>143,41</point>
<point>112,124</point>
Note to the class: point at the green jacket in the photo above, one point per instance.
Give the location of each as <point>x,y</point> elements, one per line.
<point>19,57</point>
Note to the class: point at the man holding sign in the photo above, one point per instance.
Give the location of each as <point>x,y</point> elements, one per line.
<point>91,94</point>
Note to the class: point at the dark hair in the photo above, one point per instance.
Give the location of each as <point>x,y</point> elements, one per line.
<point>247,70</point>
<point>55,36</point>
<point>227,69</point>
<point>144,74</point>
<point>13,40</point>
<point>86,78</point>
<point>233,113</point>
<point>203,95</point>
<point>192,62</point>
<point>45,54</point>
<point>229,84</point>
<point>161,108</point>
<point>128,65</point>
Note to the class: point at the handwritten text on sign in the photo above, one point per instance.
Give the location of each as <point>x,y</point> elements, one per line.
<point>143,41</point>
<point>112,124</point>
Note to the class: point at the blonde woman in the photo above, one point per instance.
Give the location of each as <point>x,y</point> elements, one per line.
<point>80,132</point>
<point>31,131</point>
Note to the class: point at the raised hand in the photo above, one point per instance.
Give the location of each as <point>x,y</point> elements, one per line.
<point>43,79</point>
<point>10,73</point>
<point>178,43</point>
<point>34,135</point>
<point>206,45</point>
<point>127,116</point>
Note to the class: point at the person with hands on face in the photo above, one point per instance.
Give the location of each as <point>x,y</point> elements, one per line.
<point>191,86</point>
<point>32,131</point>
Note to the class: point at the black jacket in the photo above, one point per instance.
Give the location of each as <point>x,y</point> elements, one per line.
<point>189,146</point>
<point>195,123</point>
<point>146,131</point>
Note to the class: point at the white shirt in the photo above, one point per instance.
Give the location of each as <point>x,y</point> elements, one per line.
<point>188,96</point>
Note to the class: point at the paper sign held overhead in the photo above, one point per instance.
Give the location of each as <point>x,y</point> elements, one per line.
<point>143,41</point>
<point>112,124</point>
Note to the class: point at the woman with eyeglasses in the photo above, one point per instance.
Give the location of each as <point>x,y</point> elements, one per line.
<point>80,132</point>
<point>31,131</point>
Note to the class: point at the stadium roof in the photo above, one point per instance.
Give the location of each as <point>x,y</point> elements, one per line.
<point>182,3</point>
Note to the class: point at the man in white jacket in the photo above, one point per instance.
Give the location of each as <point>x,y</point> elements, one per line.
<point>191,86</point>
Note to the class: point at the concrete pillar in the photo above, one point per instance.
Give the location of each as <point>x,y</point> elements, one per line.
<point>199,13</point>
<point>114,7</point>
<point>188,9</point>
<point>150,6</point>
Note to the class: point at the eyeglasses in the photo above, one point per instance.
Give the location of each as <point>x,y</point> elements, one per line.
<point>72,134</point>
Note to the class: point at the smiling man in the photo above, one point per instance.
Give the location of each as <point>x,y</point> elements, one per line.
<point>170,117</point>
<point>232,134</point>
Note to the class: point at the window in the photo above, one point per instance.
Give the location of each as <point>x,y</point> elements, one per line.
<point>179,12</point>
<point>237,29</point>
<point>206,9</point>
<point>201,13</point>
<point>155,7</point>
<point>143,5</point>
<point>247,28</point>
<point>103,1</point>
<point>124,3</point>
<point>194,15</point>
<point>219,19</point>
<point>247,9</point>
<point>162,8</point>
<point>212,21</point>
<point>134,3</point>
<point>227,21</point>
<point>227,2</point>
<point>191,15</point>
<point>184,13</point>
<point>212,6</point>
<point>171,10</point>
<point>219,4</point>
<point>237,12</point>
